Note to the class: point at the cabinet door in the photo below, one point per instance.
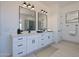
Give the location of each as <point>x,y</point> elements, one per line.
<point>32,44</point>
<point>42,40</point>
<point>50,37</point>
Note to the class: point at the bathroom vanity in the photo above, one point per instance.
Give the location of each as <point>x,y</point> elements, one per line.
<point>29,41</point>
<point>24,44</point>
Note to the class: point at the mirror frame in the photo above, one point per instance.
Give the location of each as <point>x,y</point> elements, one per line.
<point>28,24</point>
<point>46,20</point>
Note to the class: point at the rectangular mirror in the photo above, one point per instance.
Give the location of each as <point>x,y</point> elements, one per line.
<point>42,21</point>
<point>27,19</point>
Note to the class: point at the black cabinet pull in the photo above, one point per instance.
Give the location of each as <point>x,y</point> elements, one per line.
<point>20,45</point>
<point>20,38</point>
<point>20,52</point>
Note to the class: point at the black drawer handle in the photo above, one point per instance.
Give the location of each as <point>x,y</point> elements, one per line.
<point>20,38</point>
<point>20,52</point>
<point>20,45</point>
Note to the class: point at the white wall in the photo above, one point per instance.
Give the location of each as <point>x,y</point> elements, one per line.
<point>0,20</point>
<point>64,9</point>
<point>55,22</point>
<point>10,23</point>
<point>53,17</point>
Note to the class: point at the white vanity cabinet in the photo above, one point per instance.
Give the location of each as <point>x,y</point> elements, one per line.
<point>19,46</point>
<point>26,44</point>
<point>45,39</point>
<point>32,43</point>
<point>50,37</point>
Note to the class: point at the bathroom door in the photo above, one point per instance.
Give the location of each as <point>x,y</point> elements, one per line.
<point>60,26</point>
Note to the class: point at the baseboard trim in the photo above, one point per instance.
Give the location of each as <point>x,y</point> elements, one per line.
<point>5,55</point>
<point>71,41</point>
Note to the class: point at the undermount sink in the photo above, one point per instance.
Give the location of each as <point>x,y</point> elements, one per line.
<point>40,31</point>
<point>27,33</point>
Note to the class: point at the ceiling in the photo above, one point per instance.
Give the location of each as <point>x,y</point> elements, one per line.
<point>60,3</point>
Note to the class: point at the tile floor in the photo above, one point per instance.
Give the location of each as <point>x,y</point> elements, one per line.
<point>65,49</point>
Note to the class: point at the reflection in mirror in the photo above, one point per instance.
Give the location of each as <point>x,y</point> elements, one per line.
<point>27,19</point>
<point>42,21</point>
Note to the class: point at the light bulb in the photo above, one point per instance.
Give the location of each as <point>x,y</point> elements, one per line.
<point>42,11</point>
<point>46,12</point>
<point>24,4</point>
<point>29,5</point>
<point>32,7</point>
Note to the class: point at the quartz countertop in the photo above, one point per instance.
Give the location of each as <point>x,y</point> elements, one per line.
<point>25,33</point>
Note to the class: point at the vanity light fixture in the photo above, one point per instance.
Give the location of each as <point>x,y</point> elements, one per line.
<point>43,11</point>
<point>28,5</point>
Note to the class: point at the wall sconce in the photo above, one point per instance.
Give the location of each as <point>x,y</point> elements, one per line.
<point>43,11</point>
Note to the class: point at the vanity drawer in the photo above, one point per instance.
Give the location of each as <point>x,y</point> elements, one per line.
<point>41,42</point>
<point>19,53</point>
<point>19,40</point>
<point>19,46</point>
<point>19,50</point>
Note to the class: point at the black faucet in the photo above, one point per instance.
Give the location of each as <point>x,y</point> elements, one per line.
<point>19,31</point>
